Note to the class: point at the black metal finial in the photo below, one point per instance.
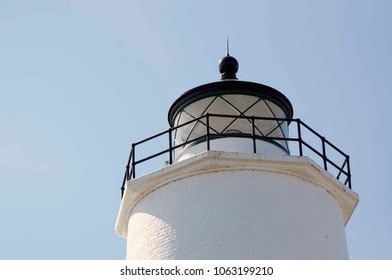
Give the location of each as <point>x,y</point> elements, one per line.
<point>228,65</point>
<point>227,46</point>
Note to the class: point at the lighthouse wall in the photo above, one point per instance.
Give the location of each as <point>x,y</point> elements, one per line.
<point>238,214</point>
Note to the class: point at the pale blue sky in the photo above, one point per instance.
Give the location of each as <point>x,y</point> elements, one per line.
<point>81,80</point>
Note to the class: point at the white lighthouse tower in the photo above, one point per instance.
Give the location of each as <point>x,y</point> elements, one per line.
<point>236,184</point>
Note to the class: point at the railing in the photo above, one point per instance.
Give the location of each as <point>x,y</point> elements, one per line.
<point>342,168</point>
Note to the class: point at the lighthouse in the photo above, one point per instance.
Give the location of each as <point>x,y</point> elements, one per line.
<point>241,179</point>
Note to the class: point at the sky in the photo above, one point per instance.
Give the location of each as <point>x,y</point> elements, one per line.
<point>80,80</point>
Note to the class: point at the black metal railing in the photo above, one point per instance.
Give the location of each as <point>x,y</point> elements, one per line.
<point>342,168</point>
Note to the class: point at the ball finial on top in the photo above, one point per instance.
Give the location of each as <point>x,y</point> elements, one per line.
<point>228,67</point>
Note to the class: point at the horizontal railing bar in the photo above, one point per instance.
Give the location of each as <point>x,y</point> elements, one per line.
<point>152,156</point>
<point>168,130</point>
<point>188,122</point>
<point>337,167</point>
<point>152,137</point>
<point>311,129</point>
<point>336,148</point>
<point>320,136</point>
<point>313,149</point>
<point>188,142</point>
<point>167,150</point>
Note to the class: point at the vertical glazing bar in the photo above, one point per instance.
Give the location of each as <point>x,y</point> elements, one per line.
<point>133,161</point>
<point>299,137</point>
<point>324,153</point>
<point>208,131</point>
<point>170,147</point>
<point>254,134</point>
<point>349,172</point>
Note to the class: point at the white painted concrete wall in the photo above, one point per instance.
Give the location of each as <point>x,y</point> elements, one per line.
<point>237,215</point>
<point>230,144</point>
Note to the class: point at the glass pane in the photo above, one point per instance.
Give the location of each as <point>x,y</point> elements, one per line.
<point>219,106</point>
<point>260,109</point>
<point>176,122</point>
<point>279,132</point>
<point>285,128</point>
<point>177,119</point>
<point>240,126</point>
<point>278,112</point>
<point>183,132</point>
<point>200,129</point>
<point>197,108</point>
<point>240,101</point>
<point>231,104</point>
<point>263,127</point>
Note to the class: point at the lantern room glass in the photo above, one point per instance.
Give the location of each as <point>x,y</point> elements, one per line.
<point>233,105</point>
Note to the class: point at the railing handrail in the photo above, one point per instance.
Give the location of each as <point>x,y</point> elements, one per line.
<point>343,169</point>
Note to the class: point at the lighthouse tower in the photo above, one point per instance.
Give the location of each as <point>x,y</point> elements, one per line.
<point>235,184</point>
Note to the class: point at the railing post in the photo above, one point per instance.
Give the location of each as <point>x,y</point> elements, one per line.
<point>253,134</point>
<point>127,172</point>
<point>208,131</point>
<point>324,153</point>
<point>133,161</point>
<point>170,147</point>
<point>348,171</point>
<point>299,137</point>
<point>124,181</point>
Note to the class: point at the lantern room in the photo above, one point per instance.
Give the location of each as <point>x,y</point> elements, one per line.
<point>227,115</point>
